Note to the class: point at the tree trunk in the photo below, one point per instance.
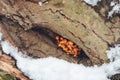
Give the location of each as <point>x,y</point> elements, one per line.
<point>33,28</point>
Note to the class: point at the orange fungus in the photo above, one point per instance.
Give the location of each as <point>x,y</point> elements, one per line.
<point>68,46</point>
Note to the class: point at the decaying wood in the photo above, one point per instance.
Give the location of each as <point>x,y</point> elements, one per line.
<point>8,64</point>
<point>36,44</point>
<point>72,19</point>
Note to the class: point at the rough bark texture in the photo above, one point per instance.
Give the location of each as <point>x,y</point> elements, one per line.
<point>36,44</point>
<point>8,64</point>
<point>72,19</point>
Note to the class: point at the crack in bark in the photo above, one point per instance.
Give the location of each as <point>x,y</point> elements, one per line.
<point>88,49</point>
<point>110,28</point>
<point>80,41</point>
<point>69,19</point>
<point>100,37</point>
<point>62,14</point>
<point>84,25</point>
<point>112,34</point>
<point>76,21</point>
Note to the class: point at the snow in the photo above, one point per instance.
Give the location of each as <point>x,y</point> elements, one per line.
<point>92,2</point>
<point>115,6</point>
<point>40,3</point>
<point>112,3</point>
<point>57,69</point>
<point>0,36</point>
<point>115,9</point>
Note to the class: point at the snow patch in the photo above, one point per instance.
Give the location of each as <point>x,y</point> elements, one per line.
<point>57,69</point>
<point>115,9</point>
<point>1,36</point>
<point>40,3</point>
<point>112,3</point>
<point>92,2</point>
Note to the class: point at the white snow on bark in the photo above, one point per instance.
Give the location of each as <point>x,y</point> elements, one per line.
<point>115,9</point>
<point>92,2</point>
<point>57,69</point>
<point>40,3</point>
<point>115,6</point>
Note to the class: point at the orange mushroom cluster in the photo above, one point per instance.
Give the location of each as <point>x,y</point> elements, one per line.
<point>68,46</point>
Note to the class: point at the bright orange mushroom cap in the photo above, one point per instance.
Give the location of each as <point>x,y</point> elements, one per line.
<point>68,46</point>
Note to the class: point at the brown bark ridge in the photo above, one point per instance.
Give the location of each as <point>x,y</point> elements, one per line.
<point>8,64</point>
<point>72,19</point>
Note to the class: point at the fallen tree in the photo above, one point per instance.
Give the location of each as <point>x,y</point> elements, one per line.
<point>33,28</point>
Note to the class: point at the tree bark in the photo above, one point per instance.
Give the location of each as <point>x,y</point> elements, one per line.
<point>8,64</point>
<point>71,19</point>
